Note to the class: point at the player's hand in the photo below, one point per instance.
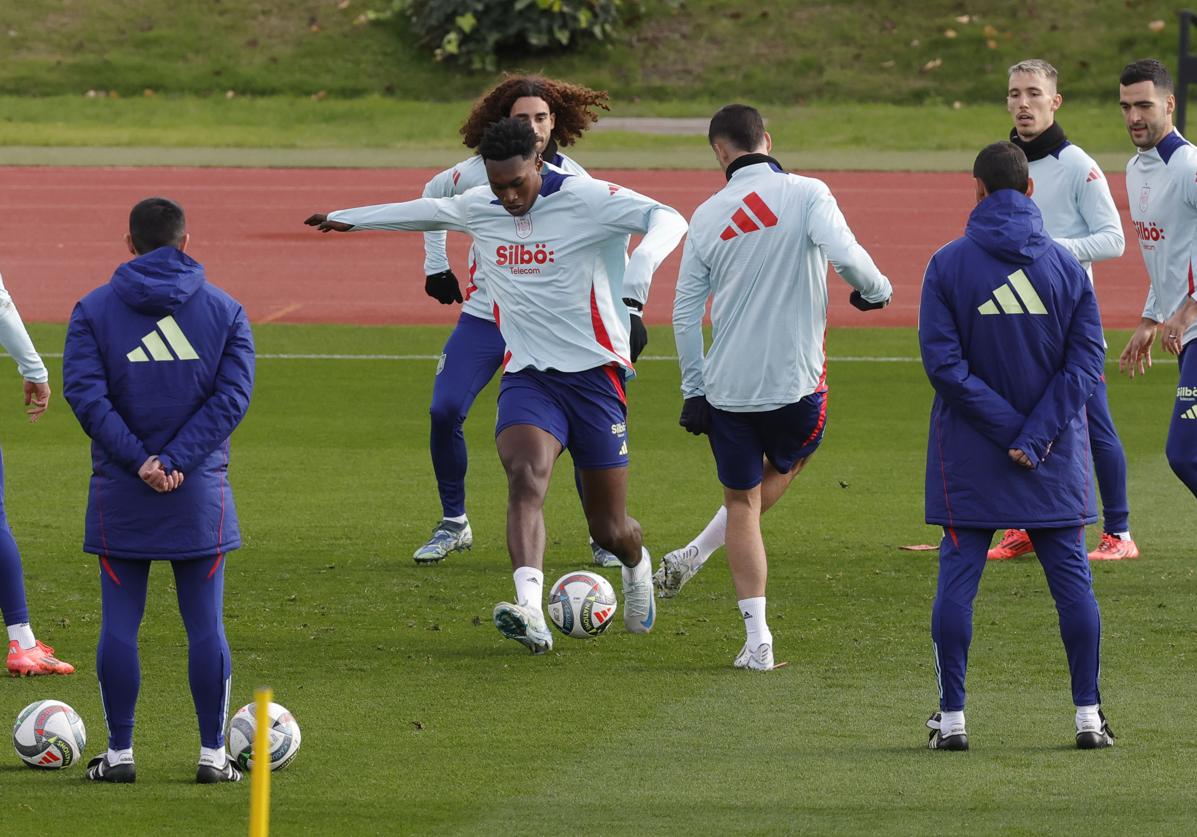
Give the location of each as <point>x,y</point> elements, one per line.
<point>696,415</point>
<point>637,333</point>
<point>1137,354</point>
<point>37,398</point>
<point>443,287</point>
<point>1020,458</point>
<point>151,474</point>
<point>321,222</point>
<point>1175,327</point>
<point>862,304</point>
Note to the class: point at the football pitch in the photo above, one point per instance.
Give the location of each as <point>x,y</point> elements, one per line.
<point>418,717</point>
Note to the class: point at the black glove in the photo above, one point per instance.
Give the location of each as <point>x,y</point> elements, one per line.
<point>638,334</point>
<point>443,287</point>
<point>862,304</point>
<point>696,415</point>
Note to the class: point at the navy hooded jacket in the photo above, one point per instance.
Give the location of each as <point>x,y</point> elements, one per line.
<point>159,362</point>
<point>1011,339</point>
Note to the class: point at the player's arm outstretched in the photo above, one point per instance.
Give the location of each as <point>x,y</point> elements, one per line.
<point>419,215</point>
<point>16,342</point>
<point>689,305</point>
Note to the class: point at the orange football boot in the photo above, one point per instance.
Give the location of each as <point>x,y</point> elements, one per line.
<point>40,659</point>
<point>1113,548</point>
<point>1014,543</point>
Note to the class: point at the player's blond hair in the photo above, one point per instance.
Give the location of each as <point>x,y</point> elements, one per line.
<point>1035,67</point>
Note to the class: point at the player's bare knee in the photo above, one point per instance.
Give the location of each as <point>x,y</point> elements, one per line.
<point>526,478</point>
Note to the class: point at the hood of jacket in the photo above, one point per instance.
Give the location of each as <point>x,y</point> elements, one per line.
<point>1007,224</point>
<point>158,282</point>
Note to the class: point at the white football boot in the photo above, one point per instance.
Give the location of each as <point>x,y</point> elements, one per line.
<point>639,607</point>
<point>447,537</point>
<point>525,625</point>
<point>756,659</point>
<point>676,569</point>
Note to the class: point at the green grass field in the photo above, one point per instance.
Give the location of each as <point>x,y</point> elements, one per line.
<point>418,717</point>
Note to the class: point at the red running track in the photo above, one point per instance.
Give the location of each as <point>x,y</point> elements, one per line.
<point>62,228</point>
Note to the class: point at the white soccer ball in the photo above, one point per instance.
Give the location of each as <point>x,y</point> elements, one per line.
<point>284,736</point>
<point>582,604</point>
<point>49,735</point>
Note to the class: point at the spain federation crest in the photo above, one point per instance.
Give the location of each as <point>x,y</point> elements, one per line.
<point>523,225</point>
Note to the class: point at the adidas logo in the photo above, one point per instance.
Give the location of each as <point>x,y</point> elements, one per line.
<point>1190,413</point>
<point>156,343</point>
<point>744,222</point>
<point>623,449</point>
<point>1094,174</point>
<point>1009,302</point>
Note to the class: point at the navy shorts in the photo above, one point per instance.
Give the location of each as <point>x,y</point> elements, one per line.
<point>586,411</point>
<point>742,441</point>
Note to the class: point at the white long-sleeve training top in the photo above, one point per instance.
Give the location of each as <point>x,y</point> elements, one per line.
<point>1161,184</point>
<point>1078,210</point>
<point>760,248</point>
<point>466,175</point>
<point>16,342</point>
<point>548,271</point>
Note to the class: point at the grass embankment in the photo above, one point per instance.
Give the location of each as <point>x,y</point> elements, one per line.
<point>907,51</point>
<point>419,718</point>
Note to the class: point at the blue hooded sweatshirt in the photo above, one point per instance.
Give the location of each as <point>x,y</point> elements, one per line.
<point>1011,339</point>
<point>158,361</point>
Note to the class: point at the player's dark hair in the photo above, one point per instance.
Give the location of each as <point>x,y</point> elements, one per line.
<point>156,222</point>
<point>740,125</point>
<point>507,138</point>
<point>1002,165</point>
<point>572,105</point>
<point>1147,69</point>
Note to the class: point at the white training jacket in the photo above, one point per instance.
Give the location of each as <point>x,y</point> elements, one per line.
<point>1078,211</point>
<point>760,248</point>
<point>466,175</point>
<point>1161,184</point>
<point>548,271</point>
<point>16,342</point>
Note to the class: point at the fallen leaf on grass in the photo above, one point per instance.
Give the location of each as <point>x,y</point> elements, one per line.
<point>919,547</point>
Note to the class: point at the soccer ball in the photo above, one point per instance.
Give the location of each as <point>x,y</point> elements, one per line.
<point>49,734</point>
<point>582,604</point>
<point>284,736</point>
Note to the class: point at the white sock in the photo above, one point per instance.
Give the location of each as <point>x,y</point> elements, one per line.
<point>1122,536</point>
<point>459,519</point>
<point>213,757</point>
<point>1087,717</point>
<point>639,572</point>
<point>116,757</point>
<point>22,634</point>
<point>951,723</point>
<point>753,612</point>
<point>529,587</point>
<point>710,538</point>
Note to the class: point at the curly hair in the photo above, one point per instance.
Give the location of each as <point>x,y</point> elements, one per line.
<point>508,138</point>
<point>572,105</point>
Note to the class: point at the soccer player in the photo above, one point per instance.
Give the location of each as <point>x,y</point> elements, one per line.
<point>158,367</point>
<point>1078,212</point>
<point>759,250</point>
<point>559,113</point>
<point>1011,340</point>
<point>1161,182</point>
<point>543,240</point>
<point>26,654</point>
